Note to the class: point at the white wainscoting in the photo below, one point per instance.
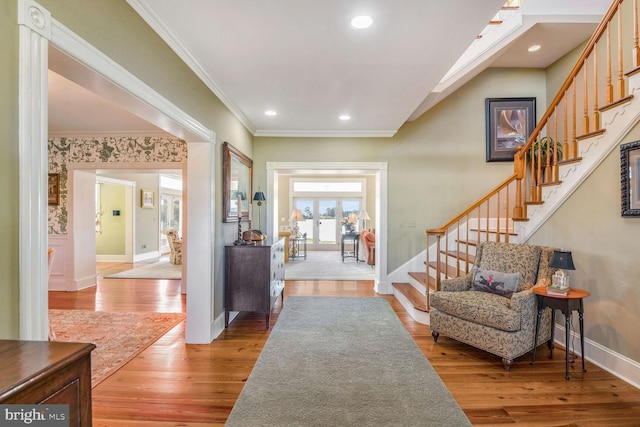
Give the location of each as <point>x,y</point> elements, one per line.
<point>60,278</point>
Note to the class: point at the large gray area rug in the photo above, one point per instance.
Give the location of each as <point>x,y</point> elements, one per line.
<point>327,265</point>
<point>332,361</point>
<point>157,270</point>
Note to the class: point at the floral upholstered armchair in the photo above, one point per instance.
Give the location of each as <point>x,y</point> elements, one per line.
<point>493,307</point>
<point>175,243</point>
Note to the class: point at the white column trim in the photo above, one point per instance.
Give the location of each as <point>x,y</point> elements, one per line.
<point>34,28</point>
<point>199,249</point>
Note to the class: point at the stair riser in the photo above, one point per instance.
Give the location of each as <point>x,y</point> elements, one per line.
<point>417,315</point>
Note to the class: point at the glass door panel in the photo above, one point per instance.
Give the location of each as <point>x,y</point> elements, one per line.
<point>323,219</point>
<point>306,206</point>
<point>170,217</point>
<point>326,223</point>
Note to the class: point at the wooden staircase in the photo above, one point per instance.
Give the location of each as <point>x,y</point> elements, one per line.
<point>574,135</point>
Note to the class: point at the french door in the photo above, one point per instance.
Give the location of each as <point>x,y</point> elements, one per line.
<point>170,217</point>
<point>322,219</point>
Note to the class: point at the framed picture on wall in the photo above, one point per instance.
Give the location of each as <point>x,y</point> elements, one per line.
<point>509,123</point>
<point>630,179</point>
<point>54,189</point>
<point>146,198</point>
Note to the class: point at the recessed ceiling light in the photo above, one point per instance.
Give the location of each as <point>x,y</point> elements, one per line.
<point>534,48</point>
<point>345,117</point>
<point>361,22</point>
<point>270,113</point>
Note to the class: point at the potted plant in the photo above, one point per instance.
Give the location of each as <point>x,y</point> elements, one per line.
<point>538,156</point>
<point>546,145</point>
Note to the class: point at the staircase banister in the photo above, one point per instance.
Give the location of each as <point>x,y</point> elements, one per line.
<point>476,204</point>
<point>435,231</point>
<point>574,72</point>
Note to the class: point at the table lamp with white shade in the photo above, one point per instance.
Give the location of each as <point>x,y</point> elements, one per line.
<point>296,215</point>
<point>364,216</point>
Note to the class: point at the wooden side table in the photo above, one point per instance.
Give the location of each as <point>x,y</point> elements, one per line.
<point>566,304</point>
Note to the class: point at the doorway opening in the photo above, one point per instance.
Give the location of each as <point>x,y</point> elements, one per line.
<point>278,200</point>
<point>91,66</point>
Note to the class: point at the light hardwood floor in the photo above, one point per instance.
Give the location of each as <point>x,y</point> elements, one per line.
<point>174,384</point>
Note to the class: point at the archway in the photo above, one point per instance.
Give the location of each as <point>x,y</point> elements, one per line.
<point>38,31</point>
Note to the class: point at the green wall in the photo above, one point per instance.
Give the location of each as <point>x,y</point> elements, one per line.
<point>111,241</point>
<point>437,163</point>
<point>9,290</point>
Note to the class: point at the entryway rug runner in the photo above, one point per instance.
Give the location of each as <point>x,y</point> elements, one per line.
<point>118,336</point>
<point>333,361</point>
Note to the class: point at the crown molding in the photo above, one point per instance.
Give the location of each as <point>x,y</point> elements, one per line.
<point>178,47</point>
<point>326,134</point>
<point>108,134</point>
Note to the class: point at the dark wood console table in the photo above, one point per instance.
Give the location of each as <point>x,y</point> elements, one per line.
<point>254,278</point>
<point>44,372</point>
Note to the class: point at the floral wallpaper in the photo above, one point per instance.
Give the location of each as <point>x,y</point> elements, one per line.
<point>63,151</point>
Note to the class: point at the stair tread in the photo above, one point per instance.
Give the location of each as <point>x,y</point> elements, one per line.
<point>463,256</point>
<point>421,277</point>
<point>467,242</point>
<point>450,271</point>
<point>416,299</point>
<point>495,230</point>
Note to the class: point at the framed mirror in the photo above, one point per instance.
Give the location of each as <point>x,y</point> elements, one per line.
<point>236,181</point>
<point>630,178</point>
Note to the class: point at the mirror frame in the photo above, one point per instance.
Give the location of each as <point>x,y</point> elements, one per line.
<point>630,179</point>
<point>239,166</point>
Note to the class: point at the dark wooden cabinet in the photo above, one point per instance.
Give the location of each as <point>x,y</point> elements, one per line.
<point>43,372</point>
<point>254,278</point>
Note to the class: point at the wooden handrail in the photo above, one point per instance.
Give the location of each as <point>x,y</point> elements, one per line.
<point>442,229</point>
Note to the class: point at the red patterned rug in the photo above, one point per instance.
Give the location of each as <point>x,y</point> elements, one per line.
<point>118,336</point>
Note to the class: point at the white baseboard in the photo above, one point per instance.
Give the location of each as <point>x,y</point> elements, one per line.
<point>111,258</point>
<point>621,366</point>
<point>382,287</point>
<point>85,282</point>
<point>218,324</point>
<point>145,256</point>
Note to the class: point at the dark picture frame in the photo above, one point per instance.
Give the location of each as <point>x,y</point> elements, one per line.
<point>630,179</point>
<point>54,189</point>
<point>237,180</point>
<point>509,123</point>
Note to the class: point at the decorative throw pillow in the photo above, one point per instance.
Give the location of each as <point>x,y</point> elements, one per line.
<point>495,282</point>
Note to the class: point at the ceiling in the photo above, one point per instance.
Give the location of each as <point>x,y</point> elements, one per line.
<point>303,59</point>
